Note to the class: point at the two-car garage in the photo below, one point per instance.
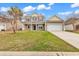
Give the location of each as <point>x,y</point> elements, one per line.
<point>54,27</point>
<point>55,24</point>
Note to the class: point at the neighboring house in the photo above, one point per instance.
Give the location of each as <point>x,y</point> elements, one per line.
<point>2,26</point>
<point>72,24</point>
<point>55,24</point>
<point>34,22</point>
<point>5,24</point>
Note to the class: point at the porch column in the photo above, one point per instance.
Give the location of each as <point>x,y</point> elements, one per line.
<point>31,25</point>
<point>45,26</point>
<point>37,23</point>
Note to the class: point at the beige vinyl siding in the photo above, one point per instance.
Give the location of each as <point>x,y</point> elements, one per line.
<point>69,27</point>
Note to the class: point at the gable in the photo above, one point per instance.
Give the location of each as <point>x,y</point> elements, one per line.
<point>54,19</point>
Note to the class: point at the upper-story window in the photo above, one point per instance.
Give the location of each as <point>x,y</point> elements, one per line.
<point>40,18</point>
<point>34,19</point>
<point>28,19</point>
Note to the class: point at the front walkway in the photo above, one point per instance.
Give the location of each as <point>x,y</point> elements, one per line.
<point>71,38</point>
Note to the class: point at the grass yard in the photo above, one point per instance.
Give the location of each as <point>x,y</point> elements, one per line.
<point>33,41</point>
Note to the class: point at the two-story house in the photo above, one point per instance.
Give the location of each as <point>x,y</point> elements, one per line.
<point>34,22</point>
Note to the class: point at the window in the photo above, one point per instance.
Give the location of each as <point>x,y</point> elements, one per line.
<point>40,18</point>
<point>77,27</point>
<point>34,18</point>
<point>28,26</point>
<point>27,19</point>
<point>40,26</point>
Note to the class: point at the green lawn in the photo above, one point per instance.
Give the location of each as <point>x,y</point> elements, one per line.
<point>33,41</point>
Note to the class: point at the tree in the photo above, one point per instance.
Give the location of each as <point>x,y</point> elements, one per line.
<point>16,13</point>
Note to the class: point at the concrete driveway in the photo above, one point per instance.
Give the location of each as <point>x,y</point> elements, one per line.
<point>71,38</point>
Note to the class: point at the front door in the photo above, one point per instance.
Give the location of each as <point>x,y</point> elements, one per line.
<point>34,27</point>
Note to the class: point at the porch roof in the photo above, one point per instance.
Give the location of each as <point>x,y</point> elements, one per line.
<point>33,22</point>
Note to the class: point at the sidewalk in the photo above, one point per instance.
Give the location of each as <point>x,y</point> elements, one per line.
<point>24,53</point>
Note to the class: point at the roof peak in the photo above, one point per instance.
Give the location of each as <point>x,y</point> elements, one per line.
<point>55,18</point>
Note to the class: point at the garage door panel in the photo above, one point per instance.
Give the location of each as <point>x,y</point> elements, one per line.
<point>54,27</point>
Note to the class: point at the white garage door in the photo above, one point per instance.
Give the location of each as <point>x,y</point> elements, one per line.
<point>54,27</point>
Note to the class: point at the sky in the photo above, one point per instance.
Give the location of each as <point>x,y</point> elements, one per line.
<point>63,10</point>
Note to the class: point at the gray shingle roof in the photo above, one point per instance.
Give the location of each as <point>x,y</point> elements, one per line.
<point>72,20</point>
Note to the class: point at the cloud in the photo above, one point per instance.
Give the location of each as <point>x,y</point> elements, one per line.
<point>4,9</point>
<point>50,4</point>
<point>65,13</point>
<point>38,7</point>
<point>69,13</point>
<point>75,5</point>
<point>28,8</point>
<point>42,7</point>
<point>76,12</point>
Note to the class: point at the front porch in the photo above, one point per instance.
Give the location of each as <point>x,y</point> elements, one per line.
<point>34,26</point>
